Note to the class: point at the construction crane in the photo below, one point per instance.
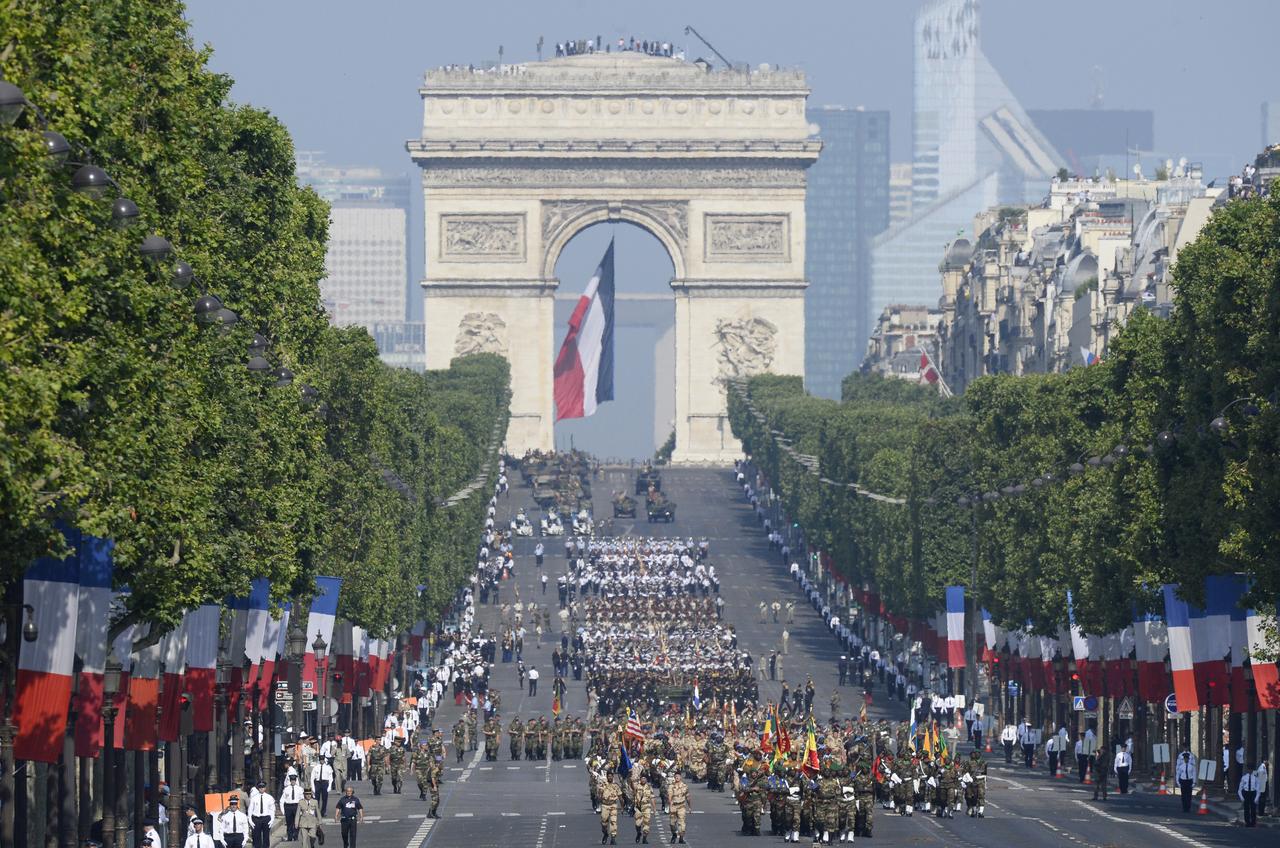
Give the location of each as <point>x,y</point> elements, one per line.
<point>688,30</point>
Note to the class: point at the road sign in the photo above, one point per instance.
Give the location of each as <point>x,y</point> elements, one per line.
<point>1171,704</point>
<point>1090,702</point>
<point>1013,688</point>
<point>308,696</point>
<point>1090,713</point>
<point>1077,703</point>
<point>1125,710</point>
<point>308,684</point>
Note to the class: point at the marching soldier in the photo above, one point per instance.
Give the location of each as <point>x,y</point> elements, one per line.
<point>377,765</point>
<point>828,804</point>
<point>492,728</point>
<point>459,738</point>
<point>678,792</point>
<point>515,733</point>
<point>642,798</point>
<point>948,790</point>
<point>422,765</point>
<point>865,792</point>
<point>610,796</point>
<point>975,795</point>
<point>396,758</point>
<point>847,802</point>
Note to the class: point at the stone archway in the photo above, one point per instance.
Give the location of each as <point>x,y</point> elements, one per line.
<point>515,163</point>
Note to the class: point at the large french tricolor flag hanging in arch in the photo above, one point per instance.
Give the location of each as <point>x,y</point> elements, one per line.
<point>955,626</point>
<point>584,366</point>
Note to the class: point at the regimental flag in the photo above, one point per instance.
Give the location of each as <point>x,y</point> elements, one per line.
<point>555,706</point>
<point>45,666</point>
<point>941,750</point>
<point>766,736</point>
<point>810,763</point>
<point>784,736</point>
<point>928,739</point>
<point>584,366</point>
<point>633,729</point>
<point>624,762</point>
<point>697,699</point>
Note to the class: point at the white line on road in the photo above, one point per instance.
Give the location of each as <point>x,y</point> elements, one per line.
<point>513,768</point>
<point>1168,831</point>
<point>463,815</point>
<point>561,813</point>
<point>420,835</point>
<point>1015,784</point>
<point>510,815</point>
<point>466,772</point>
<point>416,816</point>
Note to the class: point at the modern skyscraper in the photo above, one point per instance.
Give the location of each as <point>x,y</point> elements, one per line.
<point>899,192</point>
<point>846,205</point>
<point>972,146</point>
<point>367,266</point>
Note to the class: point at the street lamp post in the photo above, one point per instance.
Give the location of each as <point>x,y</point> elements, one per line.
<point>295,645</point>
<point>318,648</point>
<point>217,741</point>
<point>110,686</point>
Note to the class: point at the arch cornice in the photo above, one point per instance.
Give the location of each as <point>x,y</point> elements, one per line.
<point>667,220</point>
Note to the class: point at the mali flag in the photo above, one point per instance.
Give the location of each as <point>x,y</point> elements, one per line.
<point>766,736</point>
<point>810,763</point>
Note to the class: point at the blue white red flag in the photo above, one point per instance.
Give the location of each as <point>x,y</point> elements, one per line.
<point>584,366</point>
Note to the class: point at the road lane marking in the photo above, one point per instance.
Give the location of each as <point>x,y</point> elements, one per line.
<point>466,772</point>
<point>422,834</point>
<point>510,815</point>
<point>1167,831</point>
<point>463,815</point>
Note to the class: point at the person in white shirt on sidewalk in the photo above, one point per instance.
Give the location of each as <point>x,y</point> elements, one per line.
<point>1248,794</point>
<point>231,827</point>
<point>199,839</point>
<point>290,798</point>
<point>1122,765</point>
<point>262,814</point>
<point>1184,772</point>
<point>321,783</point>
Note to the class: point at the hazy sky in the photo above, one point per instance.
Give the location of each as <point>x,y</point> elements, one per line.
<point>344,77</point>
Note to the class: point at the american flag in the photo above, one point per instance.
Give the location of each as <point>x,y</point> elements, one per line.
<point>634,730</point>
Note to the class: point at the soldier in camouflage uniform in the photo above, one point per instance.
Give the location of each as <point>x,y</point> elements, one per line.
<point>473,737</point>
<point>557,739</point>
<point>948,790</point>
<point>492,730</point>
<point>828,804</point>
<point>397,767</point>
<point>544,737</point>
<point>751,798</point>
<point>716,752</point>
<point>975,794</point>
<point>531,739</point>
<point>679,797</point>
<point>642,801</point>
<point>848,802</point>
<point>377,766</point>
<point>459,739</point>
<point>864,789</point>
<point>422,765</point>
<point>610,795</point>
<point>789,787</point>
<point>903,782</point>
<point>515,732</point>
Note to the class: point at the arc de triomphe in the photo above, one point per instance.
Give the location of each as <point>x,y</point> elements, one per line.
<point>516,161</point>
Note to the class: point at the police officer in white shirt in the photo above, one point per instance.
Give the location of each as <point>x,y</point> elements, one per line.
<point>262,814</point>
<point>1122,764</point>
<point>1248,793</point>
<point>1008,736</point>
<point>290,798</point>
<point>322,781</point>
<point>198,839</point>
<point>1184,771</point>
<point>231,827</point>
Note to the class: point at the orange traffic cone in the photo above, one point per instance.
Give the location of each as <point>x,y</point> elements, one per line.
<point>1164,787</point>
<point>1088,776</point>
<point>1204,802</point>
<point>1058,774</point>
<point>988,745</point>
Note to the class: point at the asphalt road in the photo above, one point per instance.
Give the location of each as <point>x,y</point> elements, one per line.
<point>545,804</point>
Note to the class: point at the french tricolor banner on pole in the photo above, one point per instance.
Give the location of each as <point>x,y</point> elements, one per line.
<point>202,625</point>
<point>91,640</point>
<point>1266,675</point>
<point>1211,638</point>
<point>584,366</point>
<point>52,588</point>
<point>1177,615</point>
<point>320,619</point>
<point>1151,647</point>
<point>955,626</point>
